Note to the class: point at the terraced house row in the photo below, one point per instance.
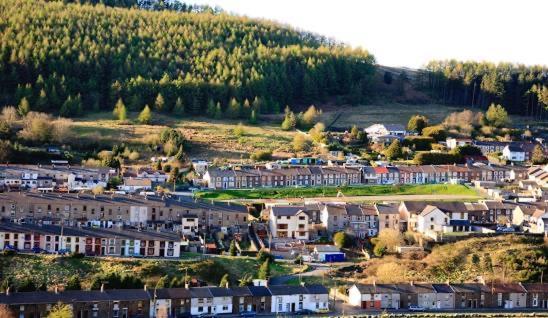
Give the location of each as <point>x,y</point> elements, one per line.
<point>172,302</point>
<point>240,177</point>
<point>151,212</point>
<point>449,296</point>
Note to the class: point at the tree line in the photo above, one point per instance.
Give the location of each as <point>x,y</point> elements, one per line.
<point>71,59</point>
<point>519,89</point>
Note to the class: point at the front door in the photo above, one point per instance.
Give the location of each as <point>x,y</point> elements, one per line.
<point>292,307</point>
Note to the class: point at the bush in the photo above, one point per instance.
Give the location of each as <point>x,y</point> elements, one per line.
<point>433,158</point>
<point>264,255</point>
<point>379,250</point>
<point>418,143</point>
<point>437,132</point>
<point>9,252</point>
<point>261,155</point>
<point>341,239</point>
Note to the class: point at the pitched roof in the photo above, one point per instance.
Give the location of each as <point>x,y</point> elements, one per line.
<point>286,210</point>
<point>220,291</point>
<point>387,208</point>
<point>200,292</point>
<point>508,288</point>
<point>259,291</point>
<point>316,289</point>
<point>287,290</point>
<point>470,288</point>
<point>443,288</point>
<point>536,287</point>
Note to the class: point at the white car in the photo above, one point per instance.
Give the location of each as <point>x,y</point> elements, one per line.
<point>416,308</point>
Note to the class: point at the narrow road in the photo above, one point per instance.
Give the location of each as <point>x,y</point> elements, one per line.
<point>318,270</point>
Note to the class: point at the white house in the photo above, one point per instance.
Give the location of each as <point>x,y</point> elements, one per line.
<point>288,222</point>
<point>445,296</point>
<point>200,166</point>
<point>539,222</point>
<point>220,179</point>
<point>189,224</point>
<point>374,296</point>
<point>288,299</point>
<point>222,300</point>
<point>513,153</point>
<point>317,298</point>
<point>432,221</point>
<point>156,176</point>
<point>133,185</point>
<point>386,129</point>
<point>453,143</point>
<point>201,301</point>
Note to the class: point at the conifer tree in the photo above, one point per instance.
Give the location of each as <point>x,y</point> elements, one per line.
<point>218,111</point>
<point>253,117</point>
<point>211,109</point>
<point>145,116</point>
<point>159,103</point>
<point>24,107</point>
<point>120,112</point>
<point>179,108</point>
<point>233,109</point>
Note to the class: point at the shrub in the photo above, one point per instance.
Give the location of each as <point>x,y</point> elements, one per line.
<point>433,158</point>
<point>418,143</point>
<point>341,239</point>
<point>261,155</point>
<point>264,255</point>
<point>437,132</point>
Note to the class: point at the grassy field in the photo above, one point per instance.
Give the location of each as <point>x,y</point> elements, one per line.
<point>208,138</point>
<point>506,258</point>
<point>51,270</point>
<point>396,113</point>
<point>280,193</point>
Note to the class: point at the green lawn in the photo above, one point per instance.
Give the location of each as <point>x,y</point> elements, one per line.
<point>280,193</point>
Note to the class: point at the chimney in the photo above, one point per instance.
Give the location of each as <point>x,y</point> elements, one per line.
<point>145,288</point>
<point>102,288</point>
<point>187,285</point>
<point>56,290</point>
<point>8,291</point>
<point>412,283</point>
<point>226,285</point>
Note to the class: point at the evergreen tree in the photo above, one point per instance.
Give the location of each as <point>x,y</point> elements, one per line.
<point>233,109</point>
<point>393,151</point>
<point>180,155</point>
<point>253,117</point>
<point>24,107</point>
<point>119,111</point>
<point>211,110</point>
<point>264,270</point>
<point>497,116</point>
<point>417,123</point>
<point>258,105</point>
<point>145,116</point>
<point>290,121</point>
<point>159,103</point>
<point>538,157</point>
<point>232,250</point>
<point>245,109</point>
<point>42,101</point>
<point>218,111</point>
<point>225,281</point>
<point>179,108</point>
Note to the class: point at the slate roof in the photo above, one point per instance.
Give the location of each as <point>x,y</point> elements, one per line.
<point>220,291</point>
<point>259,291</point>
<point>387,208</point>
<point>286,210</point>
<point>171,293</point>
<point>443,288</point>
<point>316,289</point>
<point>200,292</point>
<point>287,290</point>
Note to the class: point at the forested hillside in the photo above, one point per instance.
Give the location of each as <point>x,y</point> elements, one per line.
<point>72,58</point>
<point>520,89</point>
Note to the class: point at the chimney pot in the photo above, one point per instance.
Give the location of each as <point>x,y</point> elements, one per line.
<point>145,287</point>
<point>102,288</point>
<point>8,291</point>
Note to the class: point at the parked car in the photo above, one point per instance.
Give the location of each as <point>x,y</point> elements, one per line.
<point>39,250</point>
<point>8,247</point>
<point>305,312</point>
<point>248,314</point>
<point>416,308</point>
